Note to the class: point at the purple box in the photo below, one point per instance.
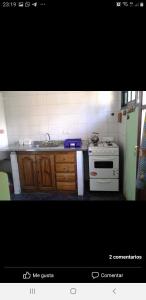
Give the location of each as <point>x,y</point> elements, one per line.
<point>72,143</point>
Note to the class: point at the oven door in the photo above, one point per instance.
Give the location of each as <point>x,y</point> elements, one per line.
<point>104,166</point>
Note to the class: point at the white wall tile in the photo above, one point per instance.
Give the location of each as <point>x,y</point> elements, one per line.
<point>62,114</point>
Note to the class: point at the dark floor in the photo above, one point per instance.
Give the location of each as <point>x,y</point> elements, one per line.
<point>55,195</point>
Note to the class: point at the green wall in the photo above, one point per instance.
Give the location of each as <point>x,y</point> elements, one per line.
<point>130,155</point>
<point>4,187</point>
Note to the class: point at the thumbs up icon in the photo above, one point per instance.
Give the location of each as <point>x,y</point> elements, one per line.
<point>27,275</point>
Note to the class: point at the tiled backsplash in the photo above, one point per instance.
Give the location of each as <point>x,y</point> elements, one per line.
<point>29,115</point>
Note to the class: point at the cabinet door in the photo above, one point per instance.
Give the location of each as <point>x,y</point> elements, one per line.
<point>66,186</point>
<point>66,171</point>
<point>27,172</point>
<point>66,168</point>
<point>66,157</point>
<point>45,171</point>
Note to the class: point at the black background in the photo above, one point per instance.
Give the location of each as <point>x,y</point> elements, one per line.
<point>72,234</point>
<point>71,47</point>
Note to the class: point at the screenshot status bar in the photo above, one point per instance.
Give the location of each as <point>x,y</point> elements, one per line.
<point>45,4</point>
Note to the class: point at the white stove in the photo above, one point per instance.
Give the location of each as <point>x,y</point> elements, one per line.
<point>104,166</point>
<point>103,148</point>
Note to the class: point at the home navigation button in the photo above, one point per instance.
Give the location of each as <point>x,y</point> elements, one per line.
<point>73,291</point>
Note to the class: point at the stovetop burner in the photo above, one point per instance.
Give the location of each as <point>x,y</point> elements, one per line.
<point>95,144</point>
<point>107,144</point>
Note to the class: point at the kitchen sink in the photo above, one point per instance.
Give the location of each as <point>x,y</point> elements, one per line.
<point>46,144</point>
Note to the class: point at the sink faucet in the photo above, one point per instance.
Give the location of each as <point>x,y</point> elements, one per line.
<point>48,136</point>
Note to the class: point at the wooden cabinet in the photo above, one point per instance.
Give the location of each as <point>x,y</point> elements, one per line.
<point>65,168</point>
<point>27,172</point>
<point>66,186</point>
<point>66,171</point>
<point>44,171</point>
<point>63,177</point>
<point>37,172</point>
<point>65,157</point>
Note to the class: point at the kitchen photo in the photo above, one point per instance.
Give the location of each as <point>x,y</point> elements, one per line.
<point>72,145</point>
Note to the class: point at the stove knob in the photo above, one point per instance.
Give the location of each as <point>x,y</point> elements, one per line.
<point>93,173</point>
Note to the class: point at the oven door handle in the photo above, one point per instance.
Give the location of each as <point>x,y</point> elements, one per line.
<point>104,181</point>
<point>106,159</point>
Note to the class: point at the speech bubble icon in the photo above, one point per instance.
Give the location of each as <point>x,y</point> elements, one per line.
<point>95,275</point>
